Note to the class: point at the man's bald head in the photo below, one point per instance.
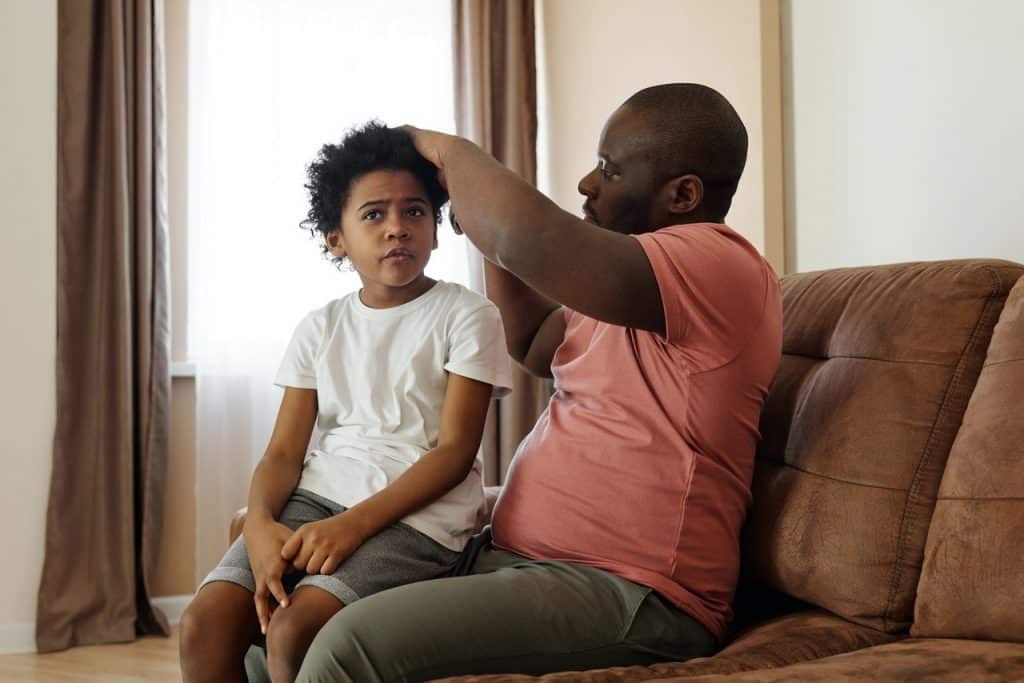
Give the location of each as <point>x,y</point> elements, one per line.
<point>695,131</point>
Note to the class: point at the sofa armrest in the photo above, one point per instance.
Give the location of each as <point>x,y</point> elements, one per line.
<point>237,523</point>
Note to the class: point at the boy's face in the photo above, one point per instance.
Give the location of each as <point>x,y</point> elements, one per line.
<point>387,228</point>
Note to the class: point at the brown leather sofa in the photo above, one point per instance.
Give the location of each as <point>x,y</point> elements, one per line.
<point>886,538</point>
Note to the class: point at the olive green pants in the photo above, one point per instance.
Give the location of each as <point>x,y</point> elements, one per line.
<point>502,613</point>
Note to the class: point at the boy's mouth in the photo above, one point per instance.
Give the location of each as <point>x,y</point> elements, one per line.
<point>398,253</point>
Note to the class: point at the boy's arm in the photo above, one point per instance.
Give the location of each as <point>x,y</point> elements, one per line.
<point>276,476</point>
<point>277,473</point>
<point>534,324</point>
<point>319,547</point>
<point>600,273</point>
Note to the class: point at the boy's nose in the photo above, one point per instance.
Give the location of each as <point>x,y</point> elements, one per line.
<point>397,228</point>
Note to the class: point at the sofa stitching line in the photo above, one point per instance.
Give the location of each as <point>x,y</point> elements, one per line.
<point>917,482</point>
<point>783,463</point>
<point>1003,362</point>
<point>878,360</point>
<point>977,499</point>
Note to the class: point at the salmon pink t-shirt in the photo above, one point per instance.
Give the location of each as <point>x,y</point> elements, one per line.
<point>641,465</point>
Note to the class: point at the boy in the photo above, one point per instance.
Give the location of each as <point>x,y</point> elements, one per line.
<point>398,378</point>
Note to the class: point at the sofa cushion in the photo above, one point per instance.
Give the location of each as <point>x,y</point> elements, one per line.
<point>910,661</point>
<point>786,640</point>
<point>972,582</point>
<point>878,365</point>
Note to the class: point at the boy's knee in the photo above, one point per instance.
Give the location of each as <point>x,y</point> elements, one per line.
<point>289,633</point>
<point>194,631</point>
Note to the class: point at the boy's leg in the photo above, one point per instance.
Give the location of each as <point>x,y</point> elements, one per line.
<point>215,631</point>
<point>517,615</point>
<point>293,628</point>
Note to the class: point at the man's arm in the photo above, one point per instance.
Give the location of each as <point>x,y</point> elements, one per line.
<point>534,324</point>
<point>600,273</point>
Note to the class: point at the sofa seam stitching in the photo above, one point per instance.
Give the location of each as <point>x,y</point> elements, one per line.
<point>917,482</point>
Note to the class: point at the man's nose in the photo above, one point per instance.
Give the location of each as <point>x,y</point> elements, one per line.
<point>586,185</point>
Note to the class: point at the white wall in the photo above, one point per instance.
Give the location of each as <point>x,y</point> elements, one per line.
<point>903,131</point>
<point>28,323</point>
<point>596,53</point>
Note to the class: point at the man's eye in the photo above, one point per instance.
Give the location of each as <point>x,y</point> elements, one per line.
<point>605,169</point>
<point>371,215</point>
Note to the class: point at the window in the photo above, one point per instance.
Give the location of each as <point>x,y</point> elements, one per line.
<point>271,81</point>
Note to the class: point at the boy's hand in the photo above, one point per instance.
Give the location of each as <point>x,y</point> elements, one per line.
<point>264,540</point>
<point>319,547</point>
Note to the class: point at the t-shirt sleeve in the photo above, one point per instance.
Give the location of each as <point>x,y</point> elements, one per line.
<point>713,286</point>
<point>298,367</point>
<point>476,349</point>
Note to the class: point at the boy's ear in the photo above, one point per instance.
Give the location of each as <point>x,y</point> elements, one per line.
<point>335,243</point>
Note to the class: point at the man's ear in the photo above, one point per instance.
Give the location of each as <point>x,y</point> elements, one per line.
<point>335,243</point>
<point>686,193</point>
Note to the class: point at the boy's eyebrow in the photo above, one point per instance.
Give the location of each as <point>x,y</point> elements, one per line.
<point>419,200</point>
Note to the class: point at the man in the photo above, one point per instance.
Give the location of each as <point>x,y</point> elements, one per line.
<point>616,538</point>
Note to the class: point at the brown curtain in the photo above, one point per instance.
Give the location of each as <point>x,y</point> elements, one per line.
<point>113,381</point>
<point>496,107</point>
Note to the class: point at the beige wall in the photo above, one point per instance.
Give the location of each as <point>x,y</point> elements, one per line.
<point>596,53</point>
<point>903,131</point>
<point>28,288</point>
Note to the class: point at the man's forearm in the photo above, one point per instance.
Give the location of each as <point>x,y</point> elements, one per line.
<point>503,216</point>
<point>523,310</point>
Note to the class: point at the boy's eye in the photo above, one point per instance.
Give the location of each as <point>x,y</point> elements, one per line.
<point>416,211</point>
<point>372,214</point>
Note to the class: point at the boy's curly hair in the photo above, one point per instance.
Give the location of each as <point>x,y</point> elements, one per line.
<point>372,147</point>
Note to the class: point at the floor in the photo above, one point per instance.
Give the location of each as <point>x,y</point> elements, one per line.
<point>147,659</point>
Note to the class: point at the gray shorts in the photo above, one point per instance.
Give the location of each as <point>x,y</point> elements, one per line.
<point>394,557</point>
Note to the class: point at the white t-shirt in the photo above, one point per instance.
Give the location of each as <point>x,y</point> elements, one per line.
<point>380,376</point>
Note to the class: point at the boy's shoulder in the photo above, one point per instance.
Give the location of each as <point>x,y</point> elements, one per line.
<point>461,301</point>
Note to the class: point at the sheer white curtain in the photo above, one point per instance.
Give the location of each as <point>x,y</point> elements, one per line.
<point>270,82</point>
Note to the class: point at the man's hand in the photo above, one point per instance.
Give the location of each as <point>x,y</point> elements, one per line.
<point>319,547</point>
<point>434,147</point>
<point>264,540</point>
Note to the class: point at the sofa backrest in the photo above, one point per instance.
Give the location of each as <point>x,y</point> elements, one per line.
<point>878,365</point>
<point>972,582</point>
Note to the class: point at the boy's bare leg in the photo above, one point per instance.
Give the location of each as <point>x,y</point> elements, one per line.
<point>292,629</point>
<point>216,630</point>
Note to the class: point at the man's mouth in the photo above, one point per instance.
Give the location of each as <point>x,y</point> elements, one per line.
<point>588,215</point>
